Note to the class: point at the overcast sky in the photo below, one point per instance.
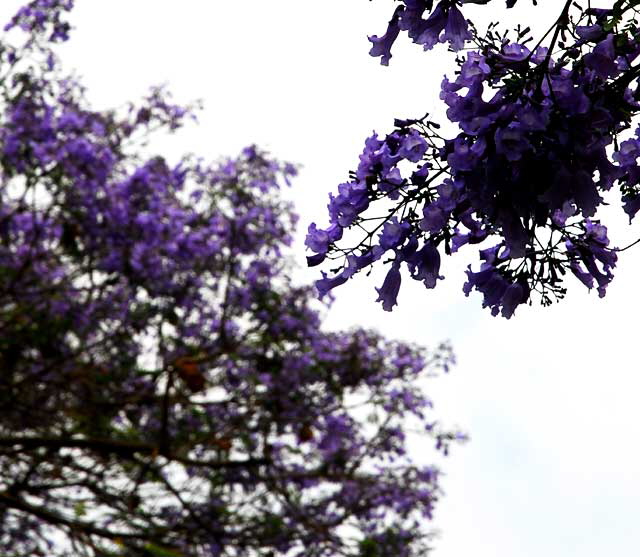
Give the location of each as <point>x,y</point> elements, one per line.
<point>549,398</point>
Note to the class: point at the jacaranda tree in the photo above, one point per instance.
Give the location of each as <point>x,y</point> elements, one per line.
<point>165,390</point>
<point>544,130</point>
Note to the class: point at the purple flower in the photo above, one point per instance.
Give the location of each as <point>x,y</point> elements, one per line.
<point>412,15</point>
<point>561,215</point>
<point>412,147</point>
<point>515,235</point>
<point>326,284</point>
<point>475,67</point>
<point>590,33</point>
<point>513,296</point>
<point>317,259</point>
<point>498,294</point>
<point>382,45</point>
<point>590,250</point>
<point>456,31</point>
<point>427,33</point>
<point>317,240</point>
<point>434,218</point>
<point>631,205</point>
<point>357,262</point>
<point>567,94</point>
<point>583,276</point>
<point>628,153</point>
<point>425,265</point>
<point>352,199</point>
<point>533,119</point>
<point>338,430</point>
<point>393,233</point>
<point>477,279</point>
<point>596,231</point>
<point>602,59</point>
<point>449,194</point>
<point>388,292</point>
<point>370,158</point>
<point>465,153</point>
<point>512,143</point>
<point>391,183</point>
<point>514,52</point>
<point>585,193</point>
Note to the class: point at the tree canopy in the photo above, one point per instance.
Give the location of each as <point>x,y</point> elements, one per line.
<point>165,389</point>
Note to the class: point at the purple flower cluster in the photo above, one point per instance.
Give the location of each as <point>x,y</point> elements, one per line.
<point>445,24</point>
<point>627,158</point>
<point>43,17</point>
<point>528,168</point>
<point>165,389</point>
<point>378,176</point>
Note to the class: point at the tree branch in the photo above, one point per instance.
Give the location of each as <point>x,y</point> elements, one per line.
<point>123,448</point>
<point>55,518</point>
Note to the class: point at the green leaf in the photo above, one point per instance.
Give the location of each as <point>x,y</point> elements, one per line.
<point>369,548</point>
<point>161,551</point>
<point>79,509</point>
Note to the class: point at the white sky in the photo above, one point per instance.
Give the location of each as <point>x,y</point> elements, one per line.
<point>550,398</point>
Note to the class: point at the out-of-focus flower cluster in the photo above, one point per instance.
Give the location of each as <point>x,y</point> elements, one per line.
<point>538,145</point>
<point>44,18</point>
<point>165,389</point>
